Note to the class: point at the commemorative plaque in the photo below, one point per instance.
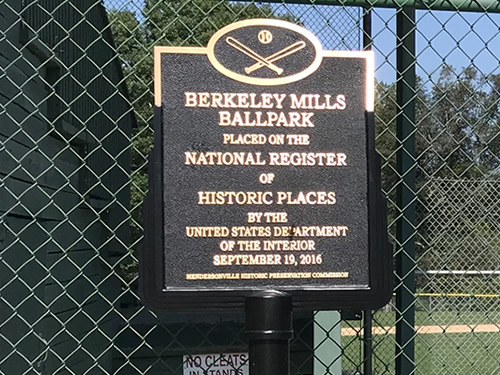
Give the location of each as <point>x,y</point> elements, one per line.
<point>264,174</point>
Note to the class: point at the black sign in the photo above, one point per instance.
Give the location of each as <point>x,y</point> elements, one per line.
<point>264,174</point>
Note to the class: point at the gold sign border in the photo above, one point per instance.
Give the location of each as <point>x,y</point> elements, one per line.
<point>265,81</point>
<point>369,56</point>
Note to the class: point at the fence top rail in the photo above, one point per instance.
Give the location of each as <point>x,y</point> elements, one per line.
<point>461,272</point>
<point>491,6</point>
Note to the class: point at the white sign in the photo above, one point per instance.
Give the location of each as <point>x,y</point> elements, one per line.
<point>215,364</point>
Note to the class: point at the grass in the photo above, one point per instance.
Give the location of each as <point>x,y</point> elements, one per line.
<point>435,354</point>
<point>454,354</point>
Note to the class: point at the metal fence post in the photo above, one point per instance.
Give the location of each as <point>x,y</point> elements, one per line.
<point>406,197</point>
<point>367,315</point>
<point>367,342</point>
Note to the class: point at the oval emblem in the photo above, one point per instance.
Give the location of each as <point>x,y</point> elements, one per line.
<point>265,52</point>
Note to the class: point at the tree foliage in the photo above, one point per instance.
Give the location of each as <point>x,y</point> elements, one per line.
<point>457,133</point>
<point>166,23</point>
<point>192,23</point>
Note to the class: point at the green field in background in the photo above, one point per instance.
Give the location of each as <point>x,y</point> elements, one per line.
<point>435,354</point>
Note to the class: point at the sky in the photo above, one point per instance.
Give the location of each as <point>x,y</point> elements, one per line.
<point>459,39</point>
<point>455,38</point>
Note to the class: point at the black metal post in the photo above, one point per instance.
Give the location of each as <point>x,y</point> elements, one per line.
<point>367,343</point>
<point>406,192</point>
<point>367,314</point>
<point>269,331</point>
<point>367,29</point>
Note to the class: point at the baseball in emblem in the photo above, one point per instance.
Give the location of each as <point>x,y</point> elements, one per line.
<point>265,36</point>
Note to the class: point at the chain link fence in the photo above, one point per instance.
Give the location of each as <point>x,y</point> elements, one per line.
<point>75,131</point>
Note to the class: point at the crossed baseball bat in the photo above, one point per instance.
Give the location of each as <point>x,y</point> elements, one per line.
<point>265,61</point>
